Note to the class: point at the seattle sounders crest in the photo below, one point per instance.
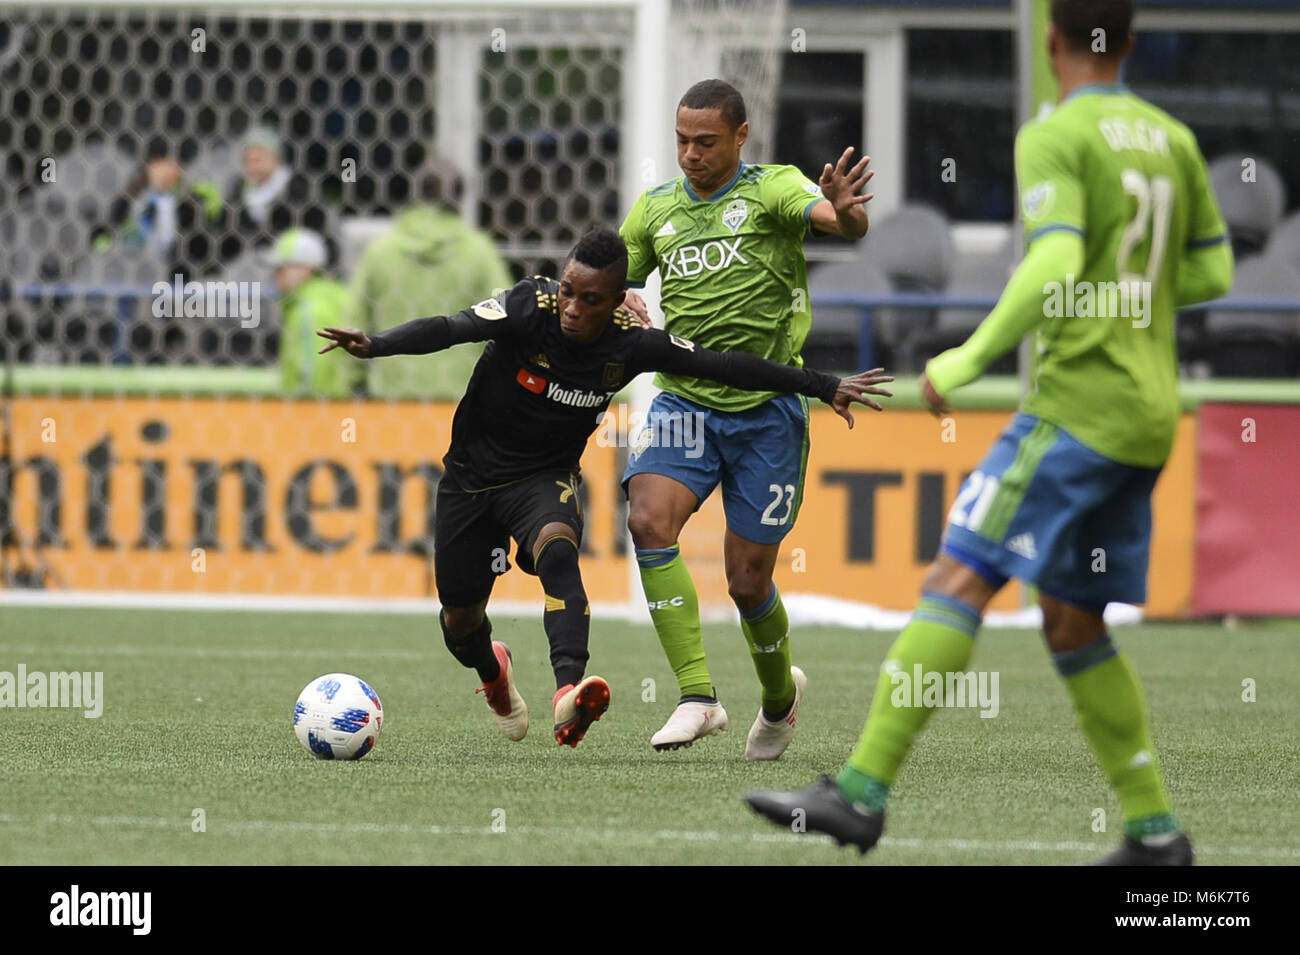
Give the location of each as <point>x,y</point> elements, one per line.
<point>737,212</point>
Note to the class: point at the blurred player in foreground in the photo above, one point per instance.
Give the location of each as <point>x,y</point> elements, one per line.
<point>558,353</point>
<point>1117,206</point>
<point>727,239</point>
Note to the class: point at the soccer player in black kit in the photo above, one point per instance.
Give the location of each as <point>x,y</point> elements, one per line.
<point>557,353</point>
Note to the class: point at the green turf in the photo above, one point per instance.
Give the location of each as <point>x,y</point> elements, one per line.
<point>198,715</point>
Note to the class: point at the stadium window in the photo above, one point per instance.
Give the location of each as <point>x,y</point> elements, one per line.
<point>819,108</point>
<point>1239,92</point>
<point>961,105</point>
<point>819,111</point>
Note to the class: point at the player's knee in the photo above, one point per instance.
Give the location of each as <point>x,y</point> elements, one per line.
<point>557,568</point>
<point>650,528</point>
<point>556,537</point>
<point>748,590</point>
<point>1067,627</point>
<point>952,578</point>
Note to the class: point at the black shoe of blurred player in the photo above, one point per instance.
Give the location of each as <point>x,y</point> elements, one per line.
<point>1177,851</point>
<point>820,808</point>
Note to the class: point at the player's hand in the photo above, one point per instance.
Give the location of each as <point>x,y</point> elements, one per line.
<point>936,402</point>
<point>855,389</point>
<point>841,184</point>
<point>635,304</point>
<point>352,340</point>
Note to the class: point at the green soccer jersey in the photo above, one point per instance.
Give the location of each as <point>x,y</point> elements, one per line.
<point>732,269</point>
<point>1131,180</point>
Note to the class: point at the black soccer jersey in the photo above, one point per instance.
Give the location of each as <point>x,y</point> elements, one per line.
<point>536,396</point>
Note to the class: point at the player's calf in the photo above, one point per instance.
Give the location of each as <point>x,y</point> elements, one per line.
<point>567,616</point>
<point>467,631</point>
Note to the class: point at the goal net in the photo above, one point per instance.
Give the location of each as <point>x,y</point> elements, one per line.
<point>149,443</point>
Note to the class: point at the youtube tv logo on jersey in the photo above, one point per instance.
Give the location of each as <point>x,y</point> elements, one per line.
<point>533,383</point>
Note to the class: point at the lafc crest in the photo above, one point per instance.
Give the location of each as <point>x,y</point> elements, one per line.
<point>490,309</point>
<point>735,214</point>
<point>613,375</point>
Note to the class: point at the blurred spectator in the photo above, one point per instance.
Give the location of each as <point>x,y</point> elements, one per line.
<point>310,301</point>
<point>166,217</point>
<point>268,197</point>
<point>431,263</point>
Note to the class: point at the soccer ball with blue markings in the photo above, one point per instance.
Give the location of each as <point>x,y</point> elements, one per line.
<point>338,716</point>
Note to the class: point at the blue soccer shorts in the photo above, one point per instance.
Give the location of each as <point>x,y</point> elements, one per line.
<point>1046,509</point>
<point>759,456</point>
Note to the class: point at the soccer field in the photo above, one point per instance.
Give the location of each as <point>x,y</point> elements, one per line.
<point>198,706</point>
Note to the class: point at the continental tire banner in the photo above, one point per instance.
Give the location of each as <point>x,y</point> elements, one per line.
<point>251,496</point>
<point>1247,518</point>
<point>335,498</point>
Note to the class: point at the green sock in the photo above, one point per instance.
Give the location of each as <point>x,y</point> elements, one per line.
<point>1107,698</point>
<point>862,789</point>
<point>767,630</point>
<point>940,638</point>
<point>675,610</point>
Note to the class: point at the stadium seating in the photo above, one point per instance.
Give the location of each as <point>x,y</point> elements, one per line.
<point>833,342</point>
<point>1251,207</point>
<point>973,275</point>
<point>914,248</point>
<point>1257,344</point>
<point>1284,242</point>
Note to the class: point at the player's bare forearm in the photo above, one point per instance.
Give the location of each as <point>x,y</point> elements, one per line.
<point>854,223</point>
<point>844,209</point>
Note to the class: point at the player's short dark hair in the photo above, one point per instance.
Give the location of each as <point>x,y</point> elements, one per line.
<point>1077,21</point>
<point>600,247</point>
<point>719,95</point>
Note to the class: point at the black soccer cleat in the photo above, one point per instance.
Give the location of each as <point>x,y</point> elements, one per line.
<point>820,808</point>
<point>1135,852</point>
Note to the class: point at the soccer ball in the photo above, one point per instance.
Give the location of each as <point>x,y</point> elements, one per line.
<point>338,716</point>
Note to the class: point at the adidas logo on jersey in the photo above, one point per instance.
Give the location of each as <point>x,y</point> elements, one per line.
<point>666,229</point>
<point>1023,544</point>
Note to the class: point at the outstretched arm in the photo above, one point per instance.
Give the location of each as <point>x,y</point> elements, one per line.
<point>660,351</point>
<point>843,212</point>
<point>422,336</point>
<point>1020,308</point>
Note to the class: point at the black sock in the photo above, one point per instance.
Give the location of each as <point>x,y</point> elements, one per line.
<point>567,617</point>
<point>474,649</point>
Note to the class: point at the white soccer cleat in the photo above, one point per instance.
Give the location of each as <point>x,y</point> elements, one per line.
<point>769,740</point>
<point>691,720</point>
<point>508,707</point>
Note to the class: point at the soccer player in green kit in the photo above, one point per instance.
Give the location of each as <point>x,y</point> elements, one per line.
<point>727,239</point>
<point>1117,205</point>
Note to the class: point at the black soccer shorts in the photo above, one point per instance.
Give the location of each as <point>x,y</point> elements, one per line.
<point>472,530</point>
